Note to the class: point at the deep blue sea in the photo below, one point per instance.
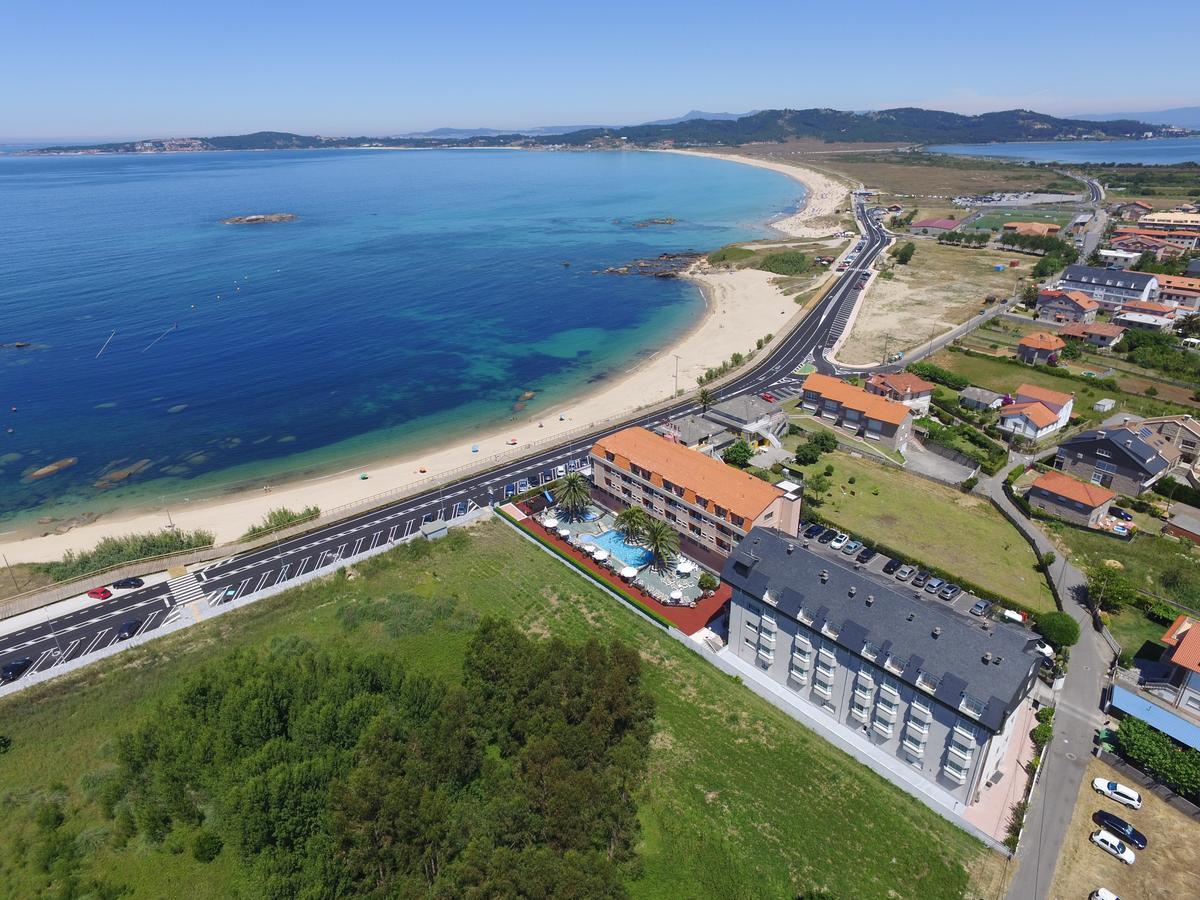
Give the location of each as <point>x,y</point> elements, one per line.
<point>415,299</point>
<point>1150,153</point>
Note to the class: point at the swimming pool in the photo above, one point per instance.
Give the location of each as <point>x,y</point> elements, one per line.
<point>629,554</point>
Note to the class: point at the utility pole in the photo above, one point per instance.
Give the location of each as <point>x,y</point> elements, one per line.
<point>676,355</point>
<point>887,339</point>
<point>12,573</point>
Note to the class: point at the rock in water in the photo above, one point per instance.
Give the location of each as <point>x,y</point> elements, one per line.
<point>260,219</point>
<point>53,469</point>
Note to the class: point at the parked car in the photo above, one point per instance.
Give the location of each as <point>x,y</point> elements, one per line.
<point>827,535</point>
<point>851,548</point>
<point>560,472</point>
<point>905,573</point>
<point>1110,843</point>
<point>128,629</point>
<point>1114,790</point>
<point>768,396</point>
<point>981,608</point>
<point>1102,894</point>
<point>1117,512</point>
<point>99,593</point>
<point>1044,649</point>
<point>949,592</point>
<point>921,578</point>
<point>866,555</point>
<point>15,669</point>
<point>1122,829</point>
<point>839,541</point>
<point>890,567</point>
<point>813,531</point>
<point>128,583</point>
<point>933,585</point>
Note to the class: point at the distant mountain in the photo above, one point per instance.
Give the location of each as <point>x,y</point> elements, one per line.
<point>538,131</point>
<point>697,114</point>
<point>1179,116</point>
<point>906,125</point>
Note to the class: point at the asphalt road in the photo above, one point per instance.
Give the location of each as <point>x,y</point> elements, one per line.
<point>67,637</point>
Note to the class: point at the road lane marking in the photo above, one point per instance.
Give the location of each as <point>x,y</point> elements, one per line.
<point>303,563</point>
<point>261,582</point>
<point>95,641</point>
<point>146,624</point>
<point>357,544</point>
<point>66,654</point>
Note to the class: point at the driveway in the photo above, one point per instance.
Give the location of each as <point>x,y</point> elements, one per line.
<point>925,462</point>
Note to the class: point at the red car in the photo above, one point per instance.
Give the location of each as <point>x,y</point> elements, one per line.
<point>99,593</point>
<point>770,398</point>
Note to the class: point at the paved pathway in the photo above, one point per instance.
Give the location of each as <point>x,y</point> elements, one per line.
<point>1076,719</point>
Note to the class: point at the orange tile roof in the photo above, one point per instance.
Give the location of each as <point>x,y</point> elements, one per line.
<point>1090,495</point>
<point>1155,232</point>
<point>739,492</point>
<point>1038,228</point>
<point>1047,396</point>
<point>1178,282</point>
<point>1036,412</point>
<point>870,405</point>
<point>1082,300</point>
<point>1185,638</point>
<point>1041,340</point>
<point>1145,306</point>
<point>1177,629</point>
<point>901,383</point>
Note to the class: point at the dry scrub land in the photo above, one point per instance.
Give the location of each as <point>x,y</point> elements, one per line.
<point>931,175</point>
<point>941,287</point>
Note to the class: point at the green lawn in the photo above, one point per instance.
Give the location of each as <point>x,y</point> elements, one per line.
<point>1134,632</point>
<point>937,524</point>
<point>814,423</point>
<point>995,220</point>
<point>740,801</point>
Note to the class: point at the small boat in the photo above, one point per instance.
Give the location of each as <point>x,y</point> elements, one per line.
<point>422,470</point>
<point>362,476</point>
<point>512,442</point>
<point>474,448</point>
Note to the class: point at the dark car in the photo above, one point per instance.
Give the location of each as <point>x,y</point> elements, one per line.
<point>813,530</point>
<point>890,567</point>
<point>865,556</point>
<point>1119,513</point>
<point>1121,829</point>
<point>128,583</point>
<point>128,629</point>
<point>15,669</point>
<point>921,578</point>
<point>827,535</point>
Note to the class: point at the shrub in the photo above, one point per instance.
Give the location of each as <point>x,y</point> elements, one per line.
<point>114,551</point>
<point>278,518</point>
<point>707,581</point>
<point>729,255</point>
<point>1041,734</point>
<point>738,454</point>
<point>968,484</point>
<point>1045,715</point>
<point>1058,628</point>
<point>807,454</point>
<point>206,845</point>
<point>851,480</point>
<point>1153,751</point>
<point>786,262</point>
<point>937,374</point>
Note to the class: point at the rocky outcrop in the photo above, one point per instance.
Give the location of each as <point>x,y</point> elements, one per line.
<point>260,219</point>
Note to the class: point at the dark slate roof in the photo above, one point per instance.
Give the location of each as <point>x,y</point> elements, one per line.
<point>980,395</point>
<point>693,428</point>
<point>745,408</point>
<point>897,623</point>
<point>1130,445</point>
<point>1134,281</point>
<point>1193,268</point>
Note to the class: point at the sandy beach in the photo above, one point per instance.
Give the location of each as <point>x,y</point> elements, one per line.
<point>741,307</point>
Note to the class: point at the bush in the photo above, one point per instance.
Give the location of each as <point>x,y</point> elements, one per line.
<point>807,454</point>
<point>206,845</point>
<point>1041,734</point>
<point>1045,715</point>
<point>738,454</point>
<point>1161,757</point>
<point>1058,628</point>
<point>828,470</point>
<point>937,374</point>
<point>707,581</point>
<point>786,262</point>
<point>5,743</point>
<point>729,255</point>
<point>825,441</point>
<point>115,551</point>
<point>278,518</point>
<point>968,484</point>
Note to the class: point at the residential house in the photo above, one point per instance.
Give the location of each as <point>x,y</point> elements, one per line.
<point>750,418</point>
<point>1033,229</point>
<point>1184,240</point>
<point>1126,461</point>
<point>1080,223</point>
<point>1036,412</point>
<point>1123,259</point>
<point>904,678</point>
<point>979,398</point>
<point>1069,498</point>
<point>1066,306</point>
<point>1037,348</point>
<point>1183,524</point>
<point>934,226</point>
<point>1144,243</point>
<point>1170,221</point>
<point>1146,316</point>
<point>1107,287</point>
<point>1103,335</point>
<point>1179,290</point>
<point>697,433</point>
<point>1132,211</point>
<point>903,387</point>
<point>1165,693</point>
<point>710,504</point>
<point>865,415</point>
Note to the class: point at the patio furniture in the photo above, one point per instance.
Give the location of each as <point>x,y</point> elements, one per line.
<point>677,596</point>
<point>552,523</point>
<point>564,532</point>
<point>600,554</point>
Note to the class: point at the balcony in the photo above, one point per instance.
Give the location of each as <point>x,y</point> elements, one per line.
<point>766,653</point>
<point>955,774</point>
<point>886,711</point>
<point>960,752</point>
<point>827,653</point>
<point>882,727</point>
<point>913,746</point>
<point>800,676</point>
<point>918,726</point>
<point>825,689</point>
<point>860,712</point>
<point>864,694</point>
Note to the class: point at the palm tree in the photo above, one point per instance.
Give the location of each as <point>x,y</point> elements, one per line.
<point>573,494</point>
<point>705,398</point>
<point>662,541</point>
<point>632,522</point>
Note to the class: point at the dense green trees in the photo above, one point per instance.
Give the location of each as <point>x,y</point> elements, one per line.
<point>1149,749</point>
<point>904,252</point>
<point>338,774</point>
<point>1160,350</point>
<point>739,454</point>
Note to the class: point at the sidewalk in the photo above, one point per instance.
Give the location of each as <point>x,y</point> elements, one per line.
<point>1077,716</point>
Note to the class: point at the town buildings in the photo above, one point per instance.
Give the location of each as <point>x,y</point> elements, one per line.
<point>1171,221</point>
<point>1184,240</point>
<point>1121,459</point>
<point>1108,287</point>
<point>853,409</point>
<point>1103,335</point>
<point>903,387</point>
<point>1038,348</point>
<point>696,433</point>
<point>917,680</point>
<point>1066,306</point>
<point>750,418</point>
<point>1134,242</point>
<point>1034,229</point>
<point>934,227</point>
<point>1069,498</point>
<point>1036,412</point>
<point>710,504</point>
<point>1179,290</point>
<point>978,398</point>
<point>1132,211</point>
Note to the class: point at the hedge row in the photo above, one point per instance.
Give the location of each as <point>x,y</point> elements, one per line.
<point>575,564</point>
<point>1173,490</point>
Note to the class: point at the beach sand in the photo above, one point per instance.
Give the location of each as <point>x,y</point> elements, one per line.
<point>742,306</point>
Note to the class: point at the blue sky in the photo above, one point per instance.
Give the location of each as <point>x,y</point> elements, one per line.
<point>90,69</point>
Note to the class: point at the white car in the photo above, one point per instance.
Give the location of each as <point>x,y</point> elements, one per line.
<point>1110,843</point>
<point>1114,790</point>
<point>1044,649</point>
<point>839,541</point>
<point>1102,894</point>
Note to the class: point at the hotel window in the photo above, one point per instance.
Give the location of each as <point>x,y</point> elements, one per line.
<point>768,618</point>
<point>609,456</point>
<point>918,727</point>
<point>755,609</point>
<point>752,642</point>
<point>895,664</point>
<point>723,545</point>
<point>701,501</point>
<point>863,693</point>
<point>860,711</point>
<point>955,772</point>
<point>802,638</point>
<point>671,517</point>
<point>823,685</point>
<point>767,636</point>
<point>738,521</point>
<point>914,744</point>
<point>825,669</point>
<point>627,492</point>
<point>833,629</point>
<point>870,651</point>
<point>767,654</point>
<point>827,652</point>
<point>798,673</point>
<point>801,657</point>
<point>891,687</point>
<point>866,675</point>
<point>926,681</point>
<point>883,726</point>
<point>886,708</point>
<point>971,706</point>
<point>720,511</point>
<point>921,707</point>
<point>694,529</point>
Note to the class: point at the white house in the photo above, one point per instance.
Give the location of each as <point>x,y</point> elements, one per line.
<point>1036,413</point>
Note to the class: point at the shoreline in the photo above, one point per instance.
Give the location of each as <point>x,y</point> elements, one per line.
<point>740,306</point>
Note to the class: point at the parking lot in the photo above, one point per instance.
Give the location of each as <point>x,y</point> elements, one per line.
<point>1165,869</point>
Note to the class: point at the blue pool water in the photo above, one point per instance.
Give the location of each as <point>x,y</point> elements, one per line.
<point>630,555</point>
<point>417,297</point>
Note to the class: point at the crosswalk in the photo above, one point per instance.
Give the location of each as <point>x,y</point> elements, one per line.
<point>185,588</point>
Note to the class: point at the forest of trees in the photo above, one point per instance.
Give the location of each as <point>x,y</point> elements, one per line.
<point>335,774</point>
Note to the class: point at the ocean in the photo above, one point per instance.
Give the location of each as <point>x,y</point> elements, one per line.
<point>415,299</point>
<point>1150,153</point>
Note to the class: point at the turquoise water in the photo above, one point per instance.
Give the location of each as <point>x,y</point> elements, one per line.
<point>628,554</point>
<point>1151,153</point>
<point>417,297</point>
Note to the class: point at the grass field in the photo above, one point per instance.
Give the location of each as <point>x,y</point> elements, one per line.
<point>1163,870</point>
<point>740,802</point>
<point>941,287</point>
<point>928,174</point>
<point>993,220</point>
<point>937,524</point>
<point>1135,633</point>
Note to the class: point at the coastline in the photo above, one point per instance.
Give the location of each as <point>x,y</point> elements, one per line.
<point>740,307</point>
